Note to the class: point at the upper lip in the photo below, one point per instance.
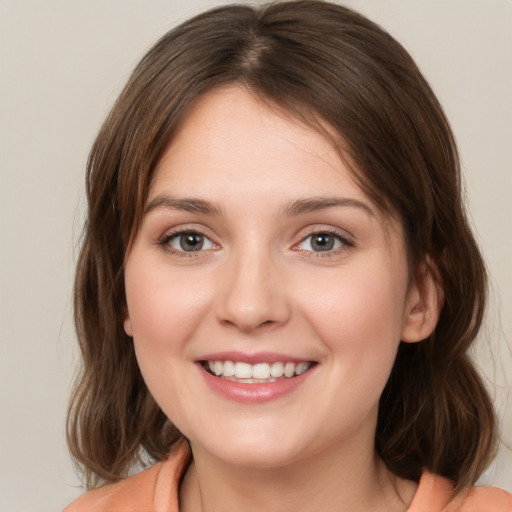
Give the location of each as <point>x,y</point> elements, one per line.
<point>257,357</point>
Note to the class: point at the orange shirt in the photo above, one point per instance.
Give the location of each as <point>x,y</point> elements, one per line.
<point>156,490</point>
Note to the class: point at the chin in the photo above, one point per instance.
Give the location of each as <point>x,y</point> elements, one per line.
<point>262,450</point>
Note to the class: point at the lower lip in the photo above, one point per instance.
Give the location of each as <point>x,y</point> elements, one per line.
<point>253,393</point>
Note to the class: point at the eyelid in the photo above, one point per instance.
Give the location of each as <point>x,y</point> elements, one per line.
<point>164,241</point>
<point>178,237</point>
<point>345,240</point>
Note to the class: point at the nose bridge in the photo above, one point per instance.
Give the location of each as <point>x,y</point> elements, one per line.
<point>253,293</point>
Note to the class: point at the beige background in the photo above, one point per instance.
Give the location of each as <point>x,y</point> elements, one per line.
<point>62,63</point>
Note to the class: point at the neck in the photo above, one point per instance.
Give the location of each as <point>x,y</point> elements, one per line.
<point>351,481</point>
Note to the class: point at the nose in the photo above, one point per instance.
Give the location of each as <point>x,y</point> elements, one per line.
<point>252,294</point>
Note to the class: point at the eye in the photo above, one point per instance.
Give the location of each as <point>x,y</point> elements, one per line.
<point>322,242</point>
<point>188,241</point>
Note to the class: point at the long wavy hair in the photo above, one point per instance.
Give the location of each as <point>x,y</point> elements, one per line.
<point>328,66</point>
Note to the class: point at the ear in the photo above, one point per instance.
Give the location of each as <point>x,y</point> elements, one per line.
<point>424,303</point>
<point>127,323</point>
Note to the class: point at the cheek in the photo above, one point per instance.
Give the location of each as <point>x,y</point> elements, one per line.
<point>162,307</point>
<point>164,311</point>
<point>359,318</point>
<point>358,302</point>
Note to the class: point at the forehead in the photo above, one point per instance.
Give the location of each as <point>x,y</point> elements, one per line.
<point>232,141</point>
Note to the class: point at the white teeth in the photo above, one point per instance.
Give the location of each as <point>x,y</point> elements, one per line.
<point>277,370</point>
<point>301,368</point>
<point>228,369</point>
<point>218,367</point>
<point>257,372</point>
<point>261,371</point>
<point>243,370</point>
<point>289,369</point>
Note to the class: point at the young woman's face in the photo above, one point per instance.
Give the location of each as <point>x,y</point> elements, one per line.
<point>260,258</point>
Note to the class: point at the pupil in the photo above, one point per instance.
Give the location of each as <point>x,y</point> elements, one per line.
<point>191,242</point>
<point>322,242</point>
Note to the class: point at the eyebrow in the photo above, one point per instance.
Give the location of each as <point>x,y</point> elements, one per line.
<point>187,204</point>
<point>313,204</point>
<point>292,209</point>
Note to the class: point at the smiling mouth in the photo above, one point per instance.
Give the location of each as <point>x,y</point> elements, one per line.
<point>258,373</point>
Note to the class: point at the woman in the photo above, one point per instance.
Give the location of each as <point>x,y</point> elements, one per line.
<point>277,286</point>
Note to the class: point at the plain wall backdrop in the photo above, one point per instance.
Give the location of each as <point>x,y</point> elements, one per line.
<point>62,64</point>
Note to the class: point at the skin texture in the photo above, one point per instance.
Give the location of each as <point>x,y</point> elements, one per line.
<point>258,286</point>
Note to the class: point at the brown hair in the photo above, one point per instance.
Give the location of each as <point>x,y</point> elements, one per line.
<point>315,60</point>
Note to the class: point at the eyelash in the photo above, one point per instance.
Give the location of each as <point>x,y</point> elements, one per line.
<point>345,244</point>
<point>165,243</point>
